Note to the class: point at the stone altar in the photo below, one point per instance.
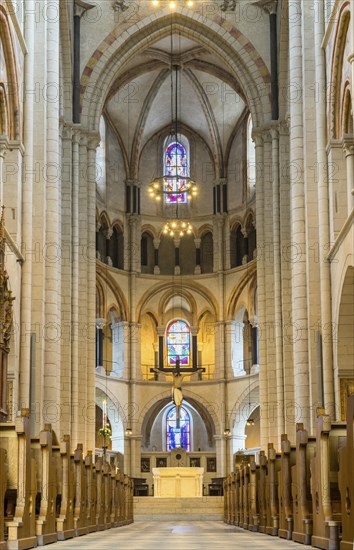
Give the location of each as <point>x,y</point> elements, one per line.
<point>178,482</point>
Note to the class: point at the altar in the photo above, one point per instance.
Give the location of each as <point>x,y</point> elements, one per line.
<point>178,482</point>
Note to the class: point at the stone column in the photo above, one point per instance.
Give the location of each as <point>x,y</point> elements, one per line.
<point>79,9</point>
<point>156,256</point>
<point>76,388</point>
<point>261,290</point>
<point>3,149</point>
<point>27,204</point>
<point>348,146</point>
<point>118,342</point>
<point>52,311</point>
<point>323,214</point>
<point>298,220</point>
<point>100,324</point>
<point>197,269</point>
<point>277,281</point>
<point>220,454</point>
<point>351,56</point>
<point>66,270</point>
<point>89,259</point>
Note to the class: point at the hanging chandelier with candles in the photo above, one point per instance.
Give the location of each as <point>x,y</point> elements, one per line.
<point>172,3</point>
<point>175,187</point>
<point>177,228</point>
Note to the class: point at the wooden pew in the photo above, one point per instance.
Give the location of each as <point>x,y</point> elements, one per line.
<point>261,492</point>
<point>346,480</point>
<point>91,492</point>
<point>100,504</point>
<point>114,497</point>
<point>20,523</point>
<point>243,498</point>
<point>272,500</point>
<point>238,498</point>
<point>284,489</point>
<point>65,519</point>
<point>47,486</point>
<point>107,494</point>
<point>253,510</point>
<point>326,504</point>
<point>233,498</point>
<point>80,521</point>
<point>3,487</point>
<point>301,488</point>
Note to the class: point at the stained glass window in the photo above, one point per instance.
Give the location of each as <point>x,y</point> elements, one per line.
<point>178,342</point>
<point>177,437</point>
<point>176,164</point>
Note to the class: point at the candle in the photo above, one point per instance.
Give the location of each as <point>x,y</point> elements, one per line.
<point>104,413</point>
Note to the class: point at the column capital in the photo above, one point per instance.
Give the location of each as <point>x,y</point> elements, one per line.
<point>274,130</point>
<point>348,145</point>
<point>66,130</point>
<point>197,242</point>
<point>257,137</point>
<point>269,6</point>
<point>80,7</point>
<point>101,322</point>
<point>4,144</point>
<point>156,243</point>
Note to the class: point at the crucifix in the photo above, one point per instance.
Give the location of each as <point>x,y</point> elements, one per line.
<point>177,395</point>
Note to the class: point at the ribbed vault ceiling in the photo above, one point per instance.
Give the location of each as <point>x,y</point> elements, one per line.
<point>139,105</point>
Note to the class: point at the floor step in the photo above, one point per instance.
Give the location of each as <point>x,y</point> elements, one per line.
<point>167,509</point>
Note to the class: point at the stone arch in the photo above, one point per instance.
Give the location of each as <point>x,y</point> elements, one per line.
<point>243,408</point>
<point>337,70</point>
<point>10,103</point>
<point>100,299</point>
<point>115,414</point>
<point>233,302</point>
<point>189,286</point>
<point>207,410</point>
<point>244,61</point>
<point>105,279</point>
<point>347,111</point>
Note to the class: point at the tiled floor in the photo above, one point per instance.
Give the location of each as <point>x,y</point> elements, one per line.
<point>181,535</point>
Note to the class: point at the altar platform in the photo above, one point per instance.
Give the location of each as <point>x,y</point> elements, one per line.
<point>178,482</point>
<point>174,509</point>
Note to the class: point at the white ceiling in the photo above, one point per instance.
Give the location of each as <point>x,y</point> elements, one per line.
<point>208,102</point>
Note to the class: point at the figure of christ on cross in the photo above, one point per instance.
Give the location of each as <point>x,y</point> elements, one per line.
<point>177,395</point>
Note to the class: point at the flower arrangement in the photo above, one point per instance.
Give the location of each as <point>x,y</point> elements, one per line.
<point>105,431</point>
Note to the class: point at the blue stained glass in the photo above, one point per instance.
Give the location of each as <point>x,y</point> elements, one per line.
<point>177,437</point>
<point>176,164</point>
<point>178,343</point>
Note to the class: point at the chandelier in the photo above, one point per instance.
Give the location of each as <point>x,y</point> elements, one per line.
<point>173,3</point>
<point>177,228</point>
<point>175,186</point>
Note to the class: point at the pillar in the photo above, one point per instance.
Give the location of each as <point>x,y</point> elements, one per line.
<point>197,269</point>
<point>348,146</point>
<point>156,256</point>
<point>323,214</point>
<point>278,314</point>
<point>298,221</point>
<point>52,262</point>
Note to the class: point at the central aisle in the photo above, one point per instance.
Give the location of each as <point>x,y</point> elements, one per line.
<point>167,535</point>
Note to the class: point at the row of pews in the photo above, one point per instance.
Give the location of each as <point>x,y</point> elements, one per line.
<point>48,493</point>
<point>303,493</point>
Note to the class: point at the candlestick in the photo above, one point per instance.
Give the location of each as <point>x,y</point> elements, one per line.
<point>104,413</point>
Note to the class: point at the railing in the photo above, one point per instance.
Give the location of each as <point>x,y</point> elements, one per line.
<point>209,374</point>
